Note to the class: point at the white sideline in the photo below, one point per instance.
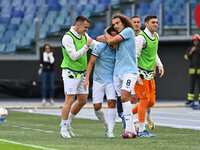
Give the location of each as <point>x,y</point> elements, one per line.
<point>34,146</point>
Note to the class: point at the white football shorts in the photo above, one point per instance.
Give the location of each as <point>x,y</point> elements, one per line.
<point>99,90</point>
<point>73,84</point>
<point>125,82</point>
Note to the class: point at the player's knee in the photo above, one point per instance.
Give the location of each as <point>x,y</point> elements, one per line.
<point>83,102</point>
<point>151,104</point>
<point>111,103</point>
<point>97,107</point>
<point>133,99</point>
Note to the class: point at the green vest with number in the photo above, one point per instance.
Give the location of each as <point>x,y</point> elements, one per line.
<point>147,57</point>
<point>81,63</point>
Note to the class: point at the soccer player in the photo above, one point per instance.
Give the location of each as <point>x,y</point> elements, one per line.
<point>75,44</point>
<point>125,70</point>
<point>146,48</point>
<point>103,56</point>
<point>137,29</point>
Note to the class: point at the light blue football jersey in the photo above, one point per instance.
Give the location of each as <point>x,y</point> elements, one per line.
<point>104,65</point>
<point>126,54</point>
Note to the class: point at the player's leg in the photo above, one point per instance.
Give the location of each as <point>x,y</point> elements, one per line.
<point>65,113</point>
<point>142,92</point>
<point>127,86</point>
<point>111,115</point>
<point>150,121</point>
<point>97,99</point>
<point>72,86</point>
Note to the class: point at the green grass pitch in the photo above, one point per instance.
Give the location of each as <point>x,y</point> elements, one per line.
<point>43,131</point>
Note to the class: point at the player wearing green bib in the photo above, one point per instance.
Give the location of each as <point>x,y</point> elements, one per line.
<point>75,44</point>
<point>146,48</point>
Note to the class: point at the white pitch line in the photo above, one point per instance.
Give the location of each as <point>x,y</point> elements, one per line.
<point>29,145</point>
<point>27,128</point>
<point>178,126</point>
<point>177,119</point>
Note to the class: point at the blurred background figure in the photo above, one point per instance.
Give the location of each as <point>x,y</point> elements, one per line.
<point>193,56</point>
<point>47,73</point>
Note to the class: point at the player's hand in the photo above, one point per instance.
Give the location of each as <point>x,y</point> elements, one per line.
<point>105,31</point>
<point>161,71</point>
<point>86,84</point>
<point>89,41</point>
<point>139,81</point>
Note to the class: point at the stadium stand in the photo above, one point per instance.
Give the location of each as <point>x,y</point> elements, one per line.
<point>17,17</point>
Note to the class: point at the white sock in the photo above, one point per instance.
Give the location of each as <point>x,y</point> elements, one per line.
<point>133,116</point>
<point>141,126</point>
<point>70,118</point>
<point>127,115</point>
<point>111,118</point>
<point>148,112</point>
<point>101,117</point>
<point>63,123</point>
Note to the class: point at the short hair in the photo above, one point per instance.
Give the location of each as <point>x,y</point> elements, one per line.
<point>147,18</point>
<point>111,29</point>
<point>82,18</point>
<point>135,17</point>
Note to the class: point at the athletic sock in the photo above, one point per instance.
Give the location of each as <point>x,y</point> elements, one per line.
<point>63,123</point>
<point>101,117</point>
<point>70,118</point>
<point>141,126</point>
<point>111,118</point>
<point>148,112</point>
<point>127,115</point>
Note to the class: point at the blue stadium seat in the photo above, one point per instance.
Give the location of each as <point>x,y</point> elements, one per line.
<point>67,22</point>
<point>25,42</point>
<point>53,4</point>
<point>40,3</point>
<point>20,34</point>
<point>15,21</point>
<point>3,28</point>
<point>18,14</point>
<point>30,12</point>
<point>16,41</point>
<point>2,48</point>
<point>13,27</point>
<point>54,28</point>
<point>30,34</point>
<point>4,20</point>
<point>10,48</point>
<point>83,2</point>
<point>94,2</point>
<point>89,7</point>
<point>1,33</point>
<point>105,2</point>
<point>128,13</point>
<point>60,20</point>
<point>99,9</point>
<point>28,3</point>
<point>16,3</point>
<point>6,11</point>
<point>42,35</point>
<point>114,2</point>
<point>72,2</point>
<point>63,3</point>
<point>5,3</point>
<point>86,13</point>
